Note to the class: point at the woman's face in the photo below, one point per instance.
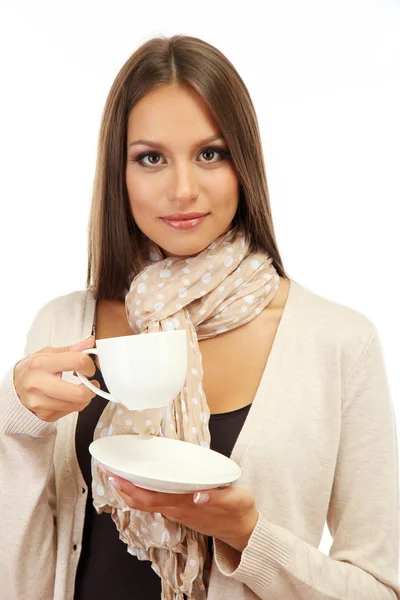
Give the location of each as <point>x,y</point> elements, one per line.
<point>175,176</point>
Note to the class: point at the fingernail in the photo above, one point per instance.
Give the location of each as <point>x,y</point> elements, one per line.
<point>201,498</point>
<point>114,483</point>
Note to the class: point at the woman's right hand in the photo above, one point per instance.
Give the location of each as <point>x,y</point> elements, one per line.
<point>38,383</point>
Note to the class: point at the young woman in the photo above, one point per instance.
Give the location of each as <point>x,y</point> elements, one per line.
<point>290,385</point>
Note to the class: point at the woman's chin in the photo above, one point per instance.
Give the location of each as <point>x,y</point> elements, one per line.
<point>184,250</point>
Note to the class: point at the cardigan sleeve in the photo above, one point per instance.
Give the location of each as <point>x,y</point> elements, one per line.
<point>363,514</point>
<point>28,530</point>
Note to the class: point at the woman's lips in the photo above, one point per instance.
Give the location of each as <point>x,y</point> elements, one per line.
<point>184,223</point>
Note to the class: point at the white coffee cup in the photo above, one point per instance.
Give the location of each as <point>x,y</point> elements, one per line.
<point>141,371</point>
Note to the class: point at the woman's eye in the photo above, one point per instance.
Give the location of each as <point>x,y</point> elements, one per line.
<point>214,151</point>
<point>222,154</point>
<point>141,157</point>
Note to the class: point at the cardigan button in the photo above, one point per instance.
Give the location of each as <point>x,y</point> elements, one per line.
<point>75,547</point>
<point>83,490</point>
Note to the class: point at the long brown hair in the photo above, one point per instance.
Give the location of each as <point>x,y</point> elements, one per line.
<point>114,240</point>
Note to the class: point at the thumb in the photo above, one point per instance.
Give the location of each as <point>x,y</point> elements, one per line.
<point>87,342</point>
<point>82,344</point>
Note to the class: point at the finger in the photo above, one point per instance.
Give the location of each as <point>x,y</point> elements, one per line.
<point>48,409</point>
<point>48,386</point>
<point>229,498</point>
<point>59,362</point>
<point>147,498</point>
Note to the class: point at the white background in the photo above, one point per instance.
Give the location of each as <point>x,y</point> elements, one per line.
<point>325,81</point>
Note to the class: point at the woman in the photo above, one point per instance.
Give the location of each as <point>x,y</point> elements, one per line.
<point>291,385</point>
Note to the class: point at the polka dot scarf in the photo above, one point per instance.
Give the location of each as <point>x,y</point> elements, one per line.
<point>223,287</point>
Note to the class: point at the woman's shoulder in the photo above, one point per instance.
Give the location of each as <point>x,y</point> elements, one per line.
<point>61,319</point>
<point>66,306</point>
<point>338,320</point>
<point>327,330</point>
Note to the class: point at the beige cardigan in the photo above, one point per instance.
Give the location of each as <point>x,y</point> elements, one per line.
<point>319,443</point>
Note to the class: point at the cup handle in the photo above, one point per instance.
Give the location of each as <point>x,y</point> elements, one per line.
<point>90,385</point>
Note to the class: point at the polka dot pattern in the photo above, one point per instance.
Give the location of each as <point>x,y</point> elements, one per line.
<point>223,287</point>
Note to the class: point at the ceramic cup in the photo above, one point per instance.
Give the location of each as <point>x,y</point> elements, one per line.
<point>141,371</point>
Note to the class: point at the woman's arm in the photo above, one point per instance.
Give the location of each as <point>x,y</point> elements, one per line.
<point>27,505</point>
<point>363,515</point>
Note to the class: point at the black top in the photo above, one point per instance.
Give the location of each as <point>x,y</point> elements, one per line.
<point>106,570</point>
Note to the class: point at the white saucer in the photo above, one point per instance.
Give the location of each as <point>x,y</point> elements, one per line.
<point>164,464</point>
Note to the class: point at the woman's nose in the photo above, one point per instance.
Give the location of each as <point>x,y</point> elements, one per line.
<point>184,183</point>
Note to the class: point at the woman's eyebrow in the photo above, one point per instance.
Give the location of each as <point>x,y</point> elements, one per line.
<point>155,144</point>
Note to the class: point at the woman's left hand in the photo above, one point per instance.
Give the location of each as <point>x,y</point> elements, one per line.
<point>228,514</point>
